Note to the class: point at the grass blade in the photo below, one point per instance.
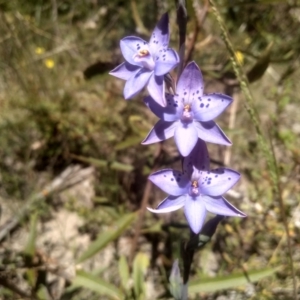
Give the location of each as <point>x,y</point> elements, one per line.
<point>96,284</point>
<point>30,246</point>
<point>124,272</point>
<point>140,265</point>
<point>228,282</point>
<point>107,236</point>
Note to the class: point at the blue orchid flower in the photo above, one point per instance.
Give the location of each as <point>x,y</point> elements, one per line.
<point>189,114</point>
<point>197,189</point>
<point>147,63</point>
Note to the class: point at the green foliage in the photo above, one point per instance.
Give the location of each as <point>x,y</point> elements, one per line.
<point>52,117</point>
<point>124,273</point>
<point>140,265</point>
<point>229,282</point>
<point>30,246</point>
<point>96,284</point>
<point>108,236</point>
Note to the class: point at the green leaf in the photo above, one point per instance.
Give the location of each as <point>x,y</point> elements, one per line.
<point>100,163</point>
<point>124,272</point>
<point>156,228</point>
<point>42,293</point>
<point>129,142</point>
<point>175,279</point>
<point>106,237</point>
<point>228,282</point>
<point>140,265</point>
<point>30,246</point>
<point>121,167</point>
<point>96,284</point>
<point>261,65</point>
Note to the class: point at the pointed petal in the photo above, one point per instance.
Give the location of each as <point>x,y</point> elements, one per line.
<point>165,61</point>
<point>169,204</point>
<point>161,131</point>
<point>220,206</point>
<point>209,106</point>
<point>136,83</point>
<point>171,182</point>
<point>130,46</point>
<point>198,159</point>
<point>186,137</point>
<point>124,71</point>
<point>160,35</point>
<point>217,182</point>
<point>170,113</point>
<point>195,212</point>
<point>156,89</point>
<point>190,84</point>
<point>211,132</point>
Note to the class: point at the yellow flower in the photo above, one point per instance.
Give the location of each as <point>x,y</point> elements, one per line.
<point>240,57</point>
<point>49,63</point>
<point>39,50</point>
<point>247,41</point>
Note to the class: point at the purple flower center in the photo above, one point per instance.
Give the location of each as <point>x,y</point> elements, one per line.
<point>194,189</point>
<point>187,115</point>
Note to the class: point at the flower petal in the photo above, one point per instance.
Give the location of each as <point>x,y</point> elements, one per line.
<point>169,204</point>
<point>171,182</point>
<point>195,212</point>
<point>160,35</point>
<point>161,131</point>
<point>220,206</point>
<point>156,89</point>
<point>217,182</point>
<point>190,84</point>
<point>209,106</point>
<point>130,46</point>
<point>197,159</point>
<point>124,71</point>
<point>211,132</point>
<point>136,83</point>
<point>186,137</point>
<point>170,113</point>
<point>165,61</point>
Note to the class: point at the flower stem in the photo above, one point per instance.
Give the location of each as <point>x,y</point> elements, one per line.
<point>181,22</point>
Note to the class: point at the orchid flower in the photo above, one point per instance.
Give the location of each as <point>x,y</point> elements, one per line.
<point>189,113</point>
<point>147,63</point>
<point>197,189</point>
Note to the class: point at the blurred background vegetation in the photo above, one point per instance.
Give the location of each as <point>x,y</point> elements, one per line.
<point>73,181</point>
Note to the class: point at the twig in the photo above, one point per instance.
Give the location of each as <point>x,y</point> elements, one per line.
<point>191,45</point>
<point>201,14</point>
<point>54,19</point>
<point>69,177</point>
<point>144,203</point>
<point>137,19</point>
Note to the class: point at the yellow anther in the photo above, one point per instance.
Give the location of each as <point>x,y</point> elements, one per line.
<point>143,52</point>
<point>195,183</point>
<point>187,107</point>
